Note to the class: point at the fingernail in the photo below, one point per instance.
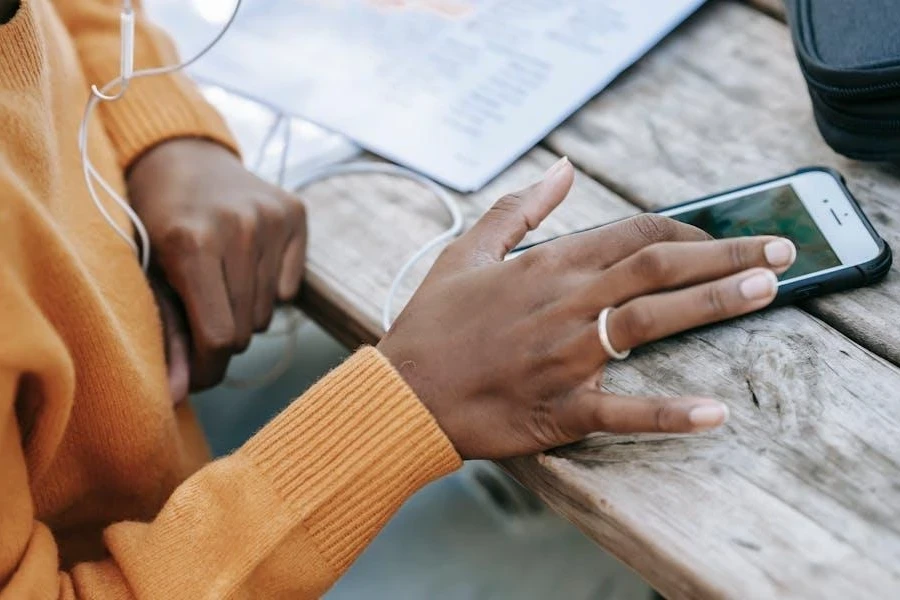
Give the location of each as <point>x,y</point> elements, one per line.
<point>708,416</point>
<point>780,253</point>
<point>557,168</point>
<point>759,285</point>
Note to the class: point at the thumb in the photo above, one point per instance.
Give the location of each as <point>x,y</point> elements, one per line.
<point>179,363</point>
<point>506,223</point>
<point>177,343</point>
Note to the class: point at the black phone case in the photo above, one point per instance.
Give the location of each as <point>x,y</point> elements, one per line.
<point>827,283</point>
<point>852,277</point>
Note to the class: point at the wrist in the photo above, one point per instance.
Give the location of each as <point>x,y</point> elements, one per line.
<point>178,151</point>
<point>362,427</point>
<point>411,370</point>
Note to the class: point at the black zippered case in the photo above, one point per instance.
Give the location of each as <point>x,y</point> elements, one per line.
<point>849,52</point>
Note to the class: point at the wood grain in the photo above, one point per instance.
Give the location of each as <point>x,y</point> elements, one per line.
<point>798,497</point>
<point>721,104</point>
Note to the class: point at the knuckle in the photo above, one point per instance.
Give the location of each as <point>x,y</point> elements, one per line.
<point>272,211</point>
<point>602,420</point>
<point>213,373</point>
<point>296,208</point>
<point>653,228</point>
<point>187,238</point>
<point>506,205</point>
<point>220,338</point>
<point>509,207</point>
<point>714,300</point>
<point>740,255</point>
<point>509,201</point>
<point>549,256</point>
<point>652,263</point>
<point>268,216</point>
<point>531,260</point>
<point>663,420</point>
<point>637,322</point>
<point>245,222</point>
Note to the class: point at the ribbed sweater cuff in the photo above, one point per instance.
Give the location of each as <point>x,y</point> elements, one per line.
<point>154,109</point>
<point>157,109</point>
<point>350,451</point>
<point>20,53</point>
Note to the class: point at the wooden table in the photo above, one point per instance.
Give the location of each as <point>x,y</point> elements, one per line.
<point>799,496</point>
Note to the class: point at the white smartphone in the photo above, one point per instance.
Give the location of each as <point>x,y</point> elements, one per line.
<point>837,247</point>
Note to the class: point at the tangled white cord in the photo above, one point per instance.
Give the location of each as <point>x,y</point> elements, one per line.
<point>142,249</point>
<point>456,227</point>
<point>126,75</point>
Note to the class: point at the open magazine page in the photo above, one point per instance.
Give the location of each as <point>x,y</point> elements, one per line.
<point>456,89</point>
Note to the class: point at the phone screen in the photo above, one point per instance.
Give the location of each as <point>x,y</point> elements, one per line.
<point>775,211</point>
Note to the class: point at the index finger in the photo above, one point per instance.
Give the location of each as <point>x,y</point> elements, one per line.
<point>605,246</point>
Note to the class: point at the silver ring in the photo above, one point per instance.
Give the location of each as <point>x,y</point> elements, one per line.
<point>604,337</point>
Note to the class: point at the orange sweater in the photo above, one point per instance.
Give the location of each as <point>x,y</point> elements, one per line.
<point>103,488</point>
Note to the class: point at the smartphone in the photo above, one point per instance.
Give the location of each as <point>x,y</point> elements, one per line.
<point>837,247</point>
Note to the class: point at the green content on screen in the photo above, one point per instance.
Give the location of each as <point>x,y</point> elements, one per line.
<point>777,211</point>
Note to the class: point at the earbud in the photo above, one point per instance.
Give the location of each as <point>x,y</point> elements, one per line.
<point>103,94</point>
<point>142,250</point>
<point>126,53</point>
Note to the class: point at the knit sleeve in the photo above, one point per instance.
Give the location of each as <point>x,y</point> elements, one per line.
<point>289,512</point>
<point>155,109</point>
<point>284,516</point>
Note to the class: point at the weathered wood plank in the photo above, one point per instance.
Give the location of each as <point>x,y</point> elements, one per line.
<point>798,497</point>
<point>720,104</point>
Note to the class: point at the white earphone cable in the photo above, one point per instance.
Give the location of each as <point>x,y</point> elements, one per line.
<point>126,75</point>
<point>142,249</point>
<point>452,206</point>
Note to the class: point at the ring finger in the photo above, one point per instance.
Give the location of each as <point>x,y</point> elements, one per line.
<point>653,317</point>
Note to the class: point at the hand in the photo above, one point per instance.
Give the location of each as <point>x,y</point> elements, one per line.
<point>230,245</point>
<point>506,355</point>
